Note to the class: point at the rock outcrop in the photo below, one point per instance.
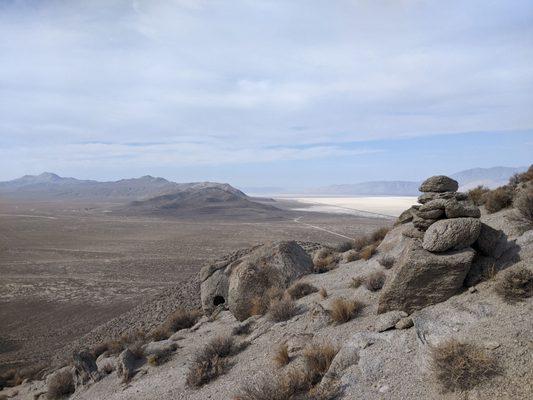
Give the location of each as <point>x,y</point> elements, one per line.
<point>451,234</point>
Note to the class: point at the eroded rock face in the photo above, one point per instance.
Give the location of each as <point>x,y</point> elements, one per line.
<point>439,183</point>
<point>275,265</point>
<point>456,209</point>
<point>451,234</point>
<point>491,242</point>
<point>126,365</point>
<point>421,278</point>
<point>85,368</point>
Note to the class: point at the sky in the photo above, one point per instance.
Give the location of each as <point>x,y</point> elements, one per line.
<point>298,93</point>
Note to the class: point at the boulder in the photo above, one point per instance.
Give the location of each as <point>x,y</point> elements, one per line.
<point>275,265</point>
<point>126,362</point>
<point>422,224</point>
<point>491,242</point>
<point>456,209</point>
<point>439,183</point>
<point>406,216</point>
<point>431,214</point>
<point>85,368</point>
<point>482,268</point>
<point>421,278</point>
<point>432,205</point>
<point>451,234</point>
<point>160,348</point>
<point>426,197</point>
<point>413,233</point>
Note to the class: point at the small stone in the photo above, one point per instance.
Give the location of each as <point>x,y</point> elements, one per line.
<point>491,345</point>
<point>388,320</point>
<point>472,289</point>
<point>404,323</point>
<point>383,389</point>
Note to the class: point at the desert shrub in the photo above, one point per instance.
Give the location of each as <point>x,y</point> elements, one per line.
<point>211,361</point>
<point>375,281</point>
<point>356,282</point>
<point>498,199</point>
<point>259,304</point>
<point>343,310</point>
<point>14,377</point>
<point>515,284</point>
<point>360,242</point>
<point>179,319</point>
<point>352,256</point>
<point>301,289</point>
<point>243,328</point>
<point>461,366</point>
<point>344,246</point>
<point>477,195</point>
<point>325,264</point>
<point>368,251</point>
<point>318,358</point>
<point>60,385</point>
<point>517,179</point>
<point>281,356</point>
<point>387,262</point>
<point>110,347</point>
<point>323,293</point>
<point>523,203</point>
<point>282,309</point>
<point>379,234</point>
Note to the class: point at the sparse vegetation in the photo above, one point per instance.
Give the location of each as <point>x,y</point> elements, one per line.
<point>477,195</point>
<point>14,377</point>
<point>387,262</point>
<point>343,310</point>
<point>179,319</point>
<point>517,179</point>
<point>282,309</point>
<point>158,359</point>
<point>379,234</point>
<point>281,357</point>
<point>344,246</point>
<point>318,358</point>
<point>260,304</point>
<point>360,242</point>
<point>352,256</point>
<point>461,366</point>
<point>375,281</point>
<point>211,361</point>
<point>301,289</point>
<point>60,385</point>
<point>325,263</point>
<point>356,282</point>
<point>323,293</point>
<point>515,285</point>
<point>523,203</point>
<point>368,251</point>
<point>498,199</point>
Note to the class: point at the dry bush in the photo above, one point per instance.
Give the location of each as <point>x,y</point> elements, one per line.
<point>360,242</point>
<point>368,251</point>
<point>344,246</point>
<point>110,347</point>
<point>343,310</point>
<point>387,262</point>
<point>301,289</point>
<point>282,309</point>
<point>527,176</point>
<point>352,256</point>
<point>179,319</point>
<point>281,357</point>
<point>356,282</point>
<point>523,203</point>
<point>318,358</point>
<point>515,284</point>
<point>14,377</point>
<point>477,195</point>
<point>375,281</point>
<point>461,366</point>
<point>379,234</point>
<point>323,293</point>
<point>259,304</point>
<point>325,264</point>
<point>498,199</point>
<point>60,385</point>
<point>211,361</point>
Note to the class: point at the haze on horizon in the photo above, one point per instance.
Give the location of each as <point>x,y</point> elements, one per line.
<point>262,93</point>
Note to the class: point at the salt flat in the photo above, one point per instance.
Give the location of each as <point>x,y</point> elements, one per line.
<point>390,206</point>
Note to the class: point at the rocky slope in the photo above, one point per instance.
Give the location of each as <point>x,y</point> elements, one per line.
<point>443,284</point>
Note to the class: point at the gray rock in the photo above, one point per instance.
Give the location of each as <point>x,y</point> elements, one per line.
<point>491,242</point>
<point>421,278</point>
<point>406,216</point>
<point>456,209</point>
<point>388,320</point>
<point>432,205</point>
<point>432,214</point>
<point>85,368</point>
<point>451,234</point>
<point>126,363</point>
<point>482,268</point>
<point>404,323</point>
<point>427,197</point>
<point>422,224</point>
<point>106,364</point>
<point>275,265</point>
<point>439,183</point>
<point>160,348</point>
<point>414,233</point>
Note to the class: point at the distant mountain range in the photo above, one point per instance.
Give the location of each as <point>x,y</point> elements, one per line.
<point>468,179</point>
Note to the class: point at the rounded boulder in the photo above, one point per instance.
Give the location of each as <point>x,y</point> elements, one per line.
<point>451,234</point>
<point>439,183</point>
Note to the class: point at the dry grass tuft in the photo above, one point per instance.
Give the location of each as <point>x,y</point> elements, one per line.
<point>498,199</point>
<point>368,251</point>
<point>477,195</point>
<point>318,359</point>
<point>387,262</point>
<point>260,304</point>
<point>343,310</point>
<point>281,357</point>
<point>461,366</point>
<point>282,309</point>
<point>515,284</point>
<point>356,282</point>
<point>360,242</point>
<point>179,319</point>
<point>211,361</point>
<point>375,281</point>
<point>60,385</point>
<point>352,256</point>
<point>301,289</point>
<point>325,264</point>
<point>14,377</point>
<point>323,293</point>
<point>523,203</point>
<point>379,234</point>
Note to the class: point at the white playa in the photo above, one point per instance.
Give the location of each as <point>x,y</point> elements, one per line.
<point>393,205</point>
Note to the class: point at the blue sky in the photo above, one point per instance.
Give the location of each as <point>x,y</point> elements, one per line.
<point>263,92</point>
